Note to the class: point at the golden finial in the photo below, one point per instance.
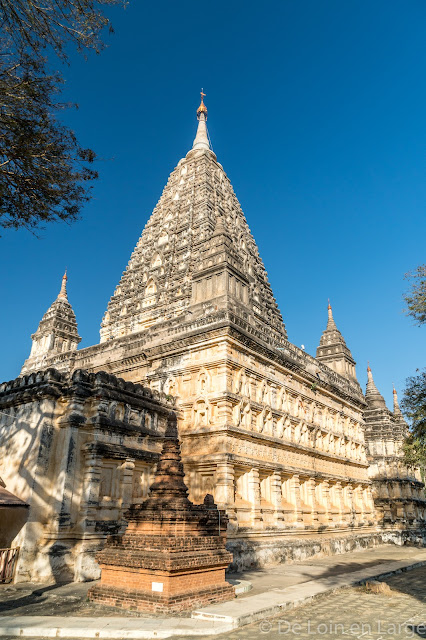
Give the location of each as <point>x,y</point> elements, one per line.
<point>394,390</point>
<point>329,305</point>
<point>202,108</point>
<point>368,366</point>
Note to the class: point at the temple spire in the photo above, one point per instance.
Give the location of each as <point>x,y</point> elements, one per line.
<point>169,485</point>
<point>372,394</point>
<point>370,380</point>
<point>56,334</point>
<point>63,292</point>
<point>330,322</point>
<point>333,351</point>
<point>198,210</point>
<point>396,408</point>
<point>201,139</point>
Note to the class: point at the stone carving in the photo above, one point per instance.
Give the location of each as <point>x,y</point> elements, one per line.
<point>108,432</point>
<point>201,412</point>
<point>203,382</point>
<point>265,421</point>
<point>243,414</point>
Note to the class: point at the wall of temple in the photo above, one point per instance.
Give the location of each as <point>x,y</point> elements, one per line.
<point>278,446</point>
<point>281,449</point>
<point>276,451</point>
<point>79,449</point>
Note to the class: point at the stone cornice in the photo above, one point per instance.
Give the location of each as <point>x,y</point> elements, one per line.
<point>52,383</point>
<point>120,452</point>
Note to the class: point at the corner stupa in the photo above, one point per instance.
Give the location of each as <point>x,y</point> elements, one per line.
<point>57,332</point>
<point>332,350</point>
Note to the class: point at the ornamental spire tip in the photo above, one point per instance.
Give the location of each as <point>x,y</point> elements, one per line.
<point>63,292</point>
<point>202,108</point>
<point>201,141</point>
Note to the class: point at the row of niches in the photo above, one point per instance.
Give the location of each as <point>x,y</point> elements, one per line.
<point>289,429</point>
<point>44,344</point>
<point>154,289</point>
<point>124,483</point>
<point>128,316</point>
<point>400,513</point>
<point>258,396</point>
<point>147,255</point>
<point>131,295</point>
<point>261,391</point>
<point>380,447</point>
<point>123,412</point>
<point>166,241</point>
<point>147,314</point>
<point>397,489</point>
<point>298,432</point>
<point>165,221</point>
<point>392,469</point>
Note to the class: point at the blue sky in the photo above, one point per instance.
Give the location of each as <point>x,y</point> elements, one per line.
<point>317,113</point>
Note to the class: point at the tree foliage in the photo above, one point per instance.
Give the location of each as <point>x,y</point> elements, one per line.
<point>45,174</point>
<point>414,405</point>
<point>43,169</point>
<point>33,26</point>
<point>414,401</point>
<point>414,453</point>
<point>415,298</point>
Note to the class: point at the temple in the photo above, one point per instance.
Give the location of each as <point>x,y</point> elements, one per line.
<point>288,445</point>
<point>397,489</point>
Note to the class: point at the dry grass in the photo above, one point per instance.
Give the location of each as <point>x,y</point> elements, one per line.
<point>373,586</point>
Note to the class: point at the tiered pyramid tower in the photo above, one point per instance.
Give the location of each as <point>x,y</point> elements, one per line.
<point>196,255</point>
<point>333,350</point>
<point>56,334</point>
<point>399,491</point>
<point>194,314</point>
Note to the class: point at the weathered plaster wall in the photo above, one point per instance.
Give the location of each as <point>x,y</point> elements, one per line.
<point>79,450</point>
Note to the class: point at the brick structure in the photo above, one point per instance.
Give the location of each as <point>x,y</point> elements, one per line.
<point>172,556</point>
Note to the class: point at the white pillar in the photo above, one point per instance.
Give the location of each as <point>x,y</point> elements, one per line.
<point>296,500</point>
<point>277,497</point>
<point>254,497</point>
